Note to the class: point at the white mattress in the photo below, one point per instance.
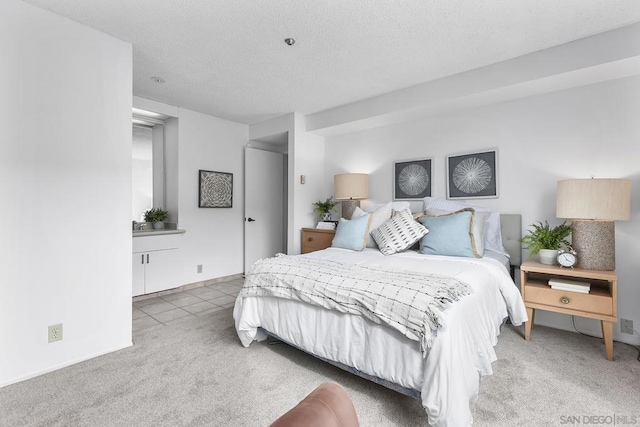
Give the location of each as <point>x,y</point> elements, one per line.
<point>463,350</point>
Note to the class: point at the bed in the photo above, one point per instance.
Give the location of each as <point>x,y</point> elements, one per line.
<point>444,374</point>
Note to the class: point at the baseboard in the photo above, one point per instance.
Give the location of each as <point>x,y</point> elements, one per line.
<point>617,336</point>
<point>211,281</point>
<point>189,286</point>
<point>60,366</point>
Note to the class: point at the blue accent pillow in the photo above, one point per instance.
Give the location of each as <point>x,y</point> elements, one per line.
<point>448,235</point>
<point>352,234</point>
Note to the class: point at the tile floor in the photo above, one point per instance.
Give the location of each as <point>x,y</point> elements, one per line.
<point>180,306</point>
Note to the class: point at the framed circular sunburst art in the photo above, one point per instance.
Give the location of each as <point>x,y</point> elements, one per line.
<point>412,179</point>
<point>216,189</point>
<point>473,175</point>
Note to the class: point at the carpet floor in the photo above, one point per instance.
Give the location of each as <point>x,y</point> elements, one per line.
<point>196,373</point>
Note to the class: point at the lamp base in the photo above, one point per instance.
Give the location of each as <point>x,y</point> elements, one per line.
<point>348,206</point>
<point>595,244</point>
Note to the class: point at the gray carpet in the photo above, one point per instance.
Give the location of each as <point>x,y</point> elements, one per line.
<point>196,373</point>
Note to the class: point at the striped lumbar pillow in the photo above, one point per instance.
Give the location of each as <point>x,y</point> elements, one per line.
<point>398,233</point>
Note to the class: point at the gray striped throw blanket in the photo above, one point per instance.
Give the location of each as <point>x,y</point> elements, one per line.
<point>410,302</point>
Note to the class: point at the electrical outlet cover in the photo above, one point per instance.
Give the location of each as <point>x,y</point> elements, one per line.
<point>55,332</point>
<point>626,326</point>
<point>199,268</point>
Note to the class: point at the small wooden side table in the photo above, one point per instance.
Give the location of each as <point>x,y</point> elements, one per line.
<point>600,303</point>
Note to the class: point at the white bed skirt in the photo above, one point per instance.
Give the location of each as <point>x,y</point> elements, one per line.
<point>448,379</point>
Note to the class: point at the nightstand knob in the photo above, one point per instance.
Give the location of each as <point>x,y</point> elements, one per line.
<point>310,239</point>
<point>564,300</point>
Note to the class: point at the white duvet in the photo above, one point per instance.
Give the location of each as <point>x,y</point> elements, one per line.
<point>462,351</point>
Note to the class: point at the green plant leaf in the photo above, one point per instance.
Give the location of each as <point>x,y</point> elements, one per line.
<point>156,215</point>
<point>544,237</point>
<point>322,208</point>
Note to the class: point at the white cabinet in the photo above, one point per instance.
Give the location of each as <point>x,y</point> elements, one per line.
<point>156,264</point>
<point>139,268</point>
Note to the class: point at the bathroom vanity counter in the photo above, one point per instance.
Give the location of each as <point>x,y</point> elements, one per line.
<point>152,232</point>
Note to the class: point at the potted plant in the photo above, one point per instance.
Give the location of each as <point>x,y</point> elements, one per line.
<point>546,241</point>
<point>156,216</point>
<point>323,209</point>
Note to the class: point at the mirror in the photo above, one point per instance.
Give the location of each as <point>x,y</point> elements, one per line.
<point>142,168</point>
<point>148,181</point>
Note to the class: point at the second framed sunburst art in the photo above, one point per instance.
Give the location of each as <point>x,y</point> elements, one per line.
<point>473,175</point>
<point>412,179</point>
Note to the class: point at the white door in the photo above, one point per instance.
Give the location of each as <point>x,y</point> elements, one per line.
<point>263,205</point>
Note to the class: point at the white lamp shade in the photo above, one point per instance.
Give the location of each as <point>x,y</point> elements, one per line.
<point>597,199</point>
<point>351,186</point>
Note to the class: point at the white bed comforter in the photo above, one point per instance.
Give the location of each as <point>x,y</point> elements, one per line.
<point>449,377</point>
<point>407,301</point>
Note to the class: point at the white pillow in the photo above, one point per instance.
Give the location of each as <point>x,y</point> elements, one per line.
<point>478,225</point>
<point>378,217</point>
<point>398,233</point>
<point>396,206</point>
<point>492,233</point>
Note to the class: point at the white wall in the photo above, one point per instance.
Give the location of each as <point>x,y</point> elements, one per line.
<point>172,168</point>
<point>214,236</point>
<point>575,133</point>
<point>65,191</point>
<point>306,157</point>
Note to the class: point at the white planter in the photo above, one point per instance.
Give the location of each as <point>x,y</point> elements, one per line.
<point>548,256</point>
<point>158,225</point>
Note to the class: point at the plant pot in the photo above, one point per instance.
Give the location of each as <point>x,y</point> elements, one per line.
<point>548,256</point>
<point>326,217</point>
<point>158,225</point>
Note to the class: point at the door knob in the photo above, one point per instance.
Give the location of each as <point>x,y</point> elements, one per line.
<point>250,219</point>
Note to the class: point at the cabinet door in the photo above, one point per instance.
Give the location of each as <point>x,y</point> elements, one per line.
<point>138,274</point>
<point>163,271</point>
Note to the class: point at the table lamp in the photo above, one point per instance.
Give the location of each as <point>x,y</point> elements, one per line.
<point>350,188</point>
<point>593,205</point>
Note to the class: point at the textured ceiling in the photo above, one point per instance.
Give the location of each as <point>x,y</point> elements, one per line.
<point>228,58</point>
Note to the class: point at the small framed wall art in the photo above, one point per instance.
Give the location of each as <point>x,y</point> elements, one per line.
<point>216,189</point>
<point>473,175</point>
<point>412,179</point>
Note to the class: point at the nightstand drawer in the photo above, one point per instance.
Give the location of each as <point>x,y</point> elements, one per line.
<point>316,240</point>
<point>598,301</point>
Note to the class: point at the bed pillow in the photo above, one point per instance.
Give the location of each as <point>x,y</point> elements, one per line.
<point>378,217</point>
<point>398,233</point>
<point>492,233</point>
<point>477,228</point>
<point>448,234</point>
<point>396,206</point>
<point>352,234</point>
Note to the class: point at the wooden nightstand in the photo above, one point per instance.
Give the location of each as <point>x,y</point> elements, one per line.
<point>600,303</point>
<point>314,239</point>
